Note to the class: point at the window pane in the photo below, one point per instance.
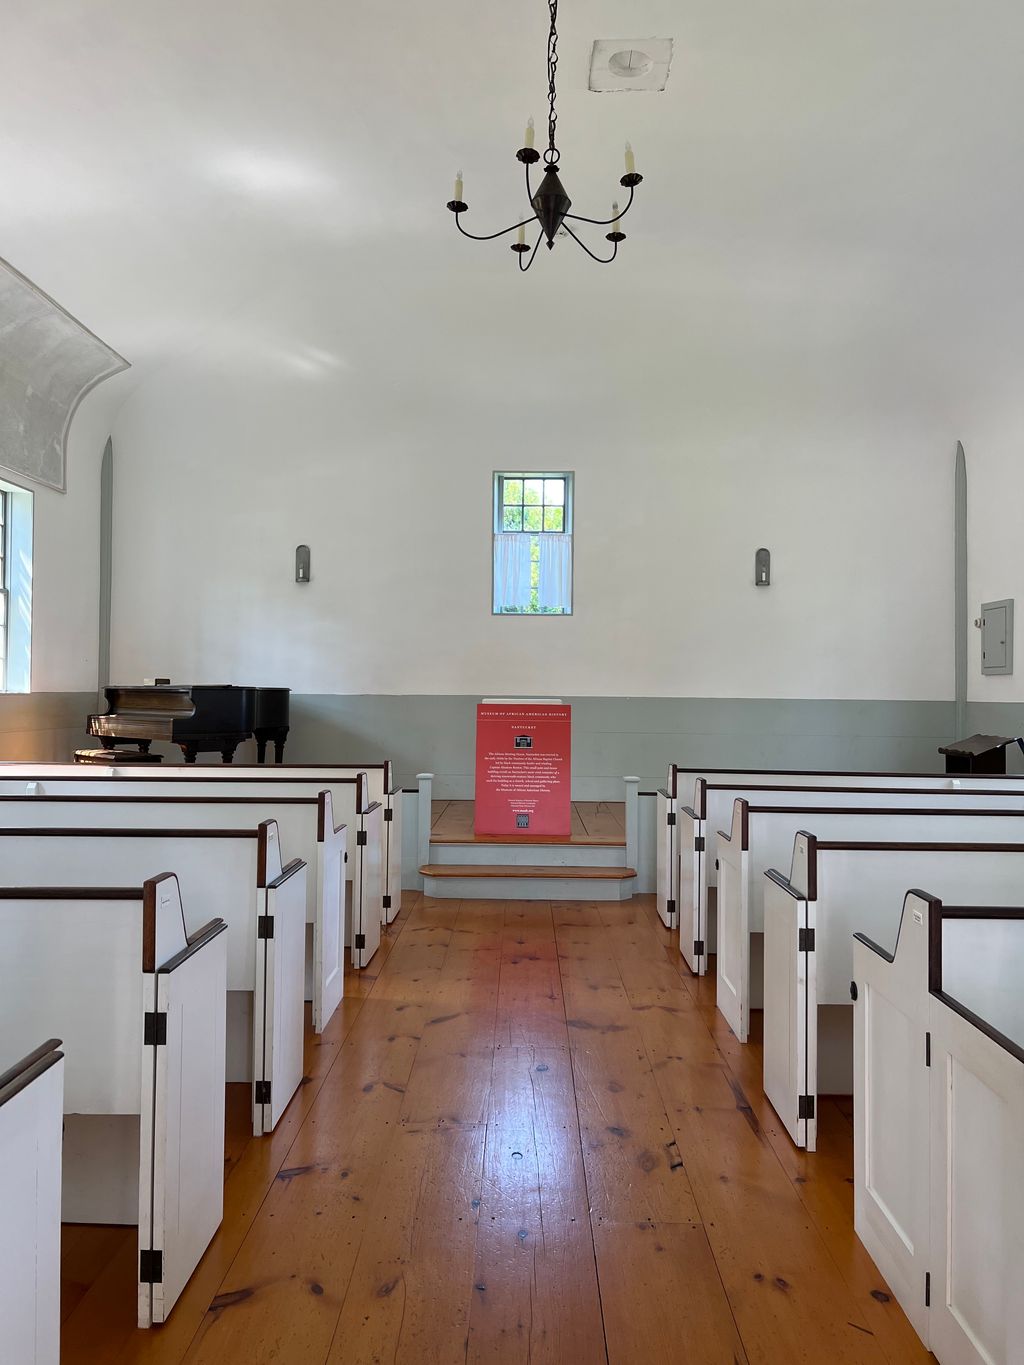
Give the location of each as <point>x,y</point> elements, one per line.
<point>533,519</point>
<point>511,490</point>
<point>534,491</point>
<point>513,519</point>
<point>554,492</point>
<point>552,518</point>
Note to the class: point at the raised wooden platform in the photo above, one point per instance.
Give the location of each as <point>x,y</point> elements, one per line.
<point>594,823</point>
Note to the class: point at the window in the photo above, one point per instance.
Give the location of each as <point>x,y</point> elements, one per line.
<point>532,544</point>
<point>15,588</point>
<point>5,594</point>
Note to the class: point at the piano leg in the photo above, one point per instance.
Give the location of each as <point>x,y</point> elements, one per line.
<point>189,751</point>
<point>279,740</point>
<point>261,748</point>
<point>227,753</point>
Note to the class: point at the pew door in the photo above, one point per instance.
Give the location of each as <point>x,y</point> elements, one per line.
<point>790,1007</point>
<point>181,1177</point>
<point>666,845</point>
<point>279,1005</point>
<point>393,856</point>
<point>31,1115</point>
<point>691,898</point>
<point>368,886</point>
<point>733,991</point>
<point>329,928</point>
<point>977,1194</point>
<point>890,1093</point>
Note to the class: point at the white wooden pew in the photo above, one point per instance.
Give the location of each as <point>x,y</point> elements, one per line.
<point>762,837</point>
<point>286,779</point>
<point>142,1006</point>
<point>699,825</point>
<point>31,1109</point>
<point>938,1118</point>
<point>833,891</point>
<point>299,819</point>
<point>234,875</point>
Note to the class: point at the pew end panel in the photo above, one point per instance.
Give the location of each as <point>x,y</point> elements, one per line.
<point>733,961</point>
<point>329,934</point>
<point>368,886</point>
<point>31,1109</point>
<point>891,1173</point>
<point>690,843</point>
<point>976,1122</point>
<point>278,1006</point>
<point>790,1047</point>
<point>665,860</point>
<point>183,1129</point>
<point>393,819</point>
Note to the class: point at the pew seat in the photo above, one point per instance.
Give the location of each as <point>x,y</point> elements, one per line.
<point>761,837</point>
<point>353,787</point>
<point>142,1004</point>
<point>688,834</point>
<point>832,891</point>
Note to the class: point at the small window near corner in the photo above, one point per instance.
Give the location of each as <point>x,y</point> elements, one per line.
<point>532,553</point>
<point>15,588</point>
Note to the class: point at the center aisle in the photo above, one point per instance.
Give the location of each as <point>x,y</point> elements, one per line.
<point>526,1136</point>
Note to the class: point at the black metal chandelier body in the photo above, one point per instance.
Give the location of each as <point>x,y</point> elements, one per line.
<point>550,203</point>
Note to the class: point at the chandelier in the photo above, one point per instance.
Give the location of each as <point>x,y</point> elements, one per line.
<point>550,203</point>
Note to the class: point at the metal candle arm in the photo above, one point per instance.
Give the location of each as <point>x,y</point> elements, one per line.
<point>529,155</point>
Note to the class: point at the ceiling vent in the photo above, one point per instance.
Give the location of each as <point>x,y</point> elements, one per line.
<point>630,64</point>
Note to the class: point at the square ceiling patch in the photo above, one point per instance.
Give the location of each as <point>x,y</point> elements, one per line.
<point>630,63</point>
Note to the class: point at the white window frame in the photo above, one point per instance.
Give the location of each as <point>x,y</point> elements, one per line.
<point>16,588</point>
<point>568,528</point>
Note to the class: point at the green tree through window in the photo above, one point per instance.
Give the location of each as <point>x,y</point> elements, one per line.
<point>533,505</point>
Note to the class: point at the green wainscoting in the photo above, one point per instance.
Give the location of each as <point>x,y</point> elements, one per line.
<point>48,726</point>
<point>614,736</point>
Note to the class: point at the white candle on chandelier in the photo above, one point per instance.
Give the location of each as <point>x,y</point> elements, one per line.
<point>616,223</point>
<point>630,160</point>
<point>458,187</point>
<point>522,234</point>
<point>529,132</point>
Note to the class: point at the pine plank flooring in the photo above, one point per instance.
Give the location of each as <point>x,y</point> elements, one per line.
<point>527,1136</point>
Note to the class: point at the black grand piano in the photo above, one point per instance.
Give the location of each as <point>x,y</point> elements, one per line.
<point>199,719</point>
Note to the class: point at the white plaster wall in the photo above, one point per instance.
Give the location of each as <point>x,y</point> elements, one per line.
<point>379,456</point>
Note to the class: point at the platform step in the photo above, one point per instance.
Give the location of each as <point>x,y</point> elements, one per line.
<point>527,871</point>
<point>479,854</point>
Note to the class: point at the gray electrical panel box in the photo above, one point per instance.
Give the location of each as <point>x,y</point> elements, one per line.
<point>997,636</point>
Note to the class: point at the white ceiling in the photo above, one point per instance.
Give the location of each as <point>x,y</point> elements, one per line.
<point>827,183</point>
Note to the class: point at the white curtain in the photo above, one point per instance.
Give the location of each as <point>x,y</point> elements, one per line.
<point>555,579</point>
<point>511,570</point>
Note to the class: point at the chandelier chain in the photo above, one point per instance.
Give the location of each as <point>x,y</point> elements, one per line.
<point>551,155</point>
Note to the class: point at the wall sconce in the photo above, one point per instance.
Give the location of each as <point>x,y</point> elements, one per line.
<point>762,568</point>
<point>302,564</point>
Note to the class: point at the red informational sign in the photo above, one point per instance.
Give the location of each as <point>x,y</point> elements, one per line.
<point>523,769</point>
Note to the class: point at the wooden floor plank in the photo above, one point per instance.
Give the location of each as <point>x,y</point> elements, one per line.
<point>408,1300</point>
<point>661,1294</point>
<point>535,1291</point>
